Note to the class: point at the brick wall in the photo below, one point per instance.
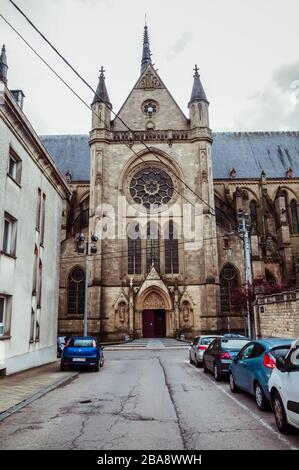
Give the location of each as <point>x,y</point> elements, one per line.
<point>277,315</point>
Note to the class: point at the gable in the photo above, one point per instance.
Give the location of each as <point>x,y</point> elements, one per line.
<point>150,87</point>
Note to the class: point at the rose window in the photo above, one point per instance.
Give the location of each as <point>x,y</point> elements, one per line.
<point>150,108</point>
<point>151,188</point>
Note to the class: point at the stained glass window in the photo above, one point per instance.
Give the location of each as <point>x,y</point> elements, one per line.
<point>76,292</point>
<point>151,187</point>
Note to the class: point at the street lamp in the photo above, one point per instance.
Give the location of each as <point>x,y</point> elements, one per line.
<point>83,248</point>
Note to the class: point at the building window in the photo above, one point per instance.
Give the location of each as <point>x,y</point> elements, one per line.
<point>134,249</point>
<point>39,285</point>
<point>151,188</point>
<point>3,303</point>
<point>152,246</point>
<point>32,323</point>
<point>253,214</point>
<point>228,282</point>
<point>270,277</point>
<point>171,250</point>
<point>76,292</point>
<point>294,216</point>
<point>150,107</point>
<point>43,216</point>
<point>14,167</point>
<point>9,235</point>
<point>38,209</point>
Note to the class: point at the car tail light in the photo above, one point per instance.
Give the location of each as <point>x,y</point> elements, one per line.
<point>202,348</point>
<point>269,361</point>
<point>94,344</point>
<point>225,355</point>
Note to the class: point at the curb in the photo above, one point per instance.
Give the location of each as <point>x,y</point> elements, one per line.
<point>14,409</point>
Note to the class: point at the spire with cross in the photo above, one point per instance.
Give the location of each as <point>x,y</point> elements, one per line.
<point>146,52</point>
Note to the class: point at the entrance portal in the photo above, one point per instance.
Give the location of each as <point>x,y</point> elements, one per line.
<point>153,323</point>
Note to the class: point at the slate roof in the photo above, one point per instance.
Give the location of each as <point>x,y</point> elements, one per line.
<point>249,153</point>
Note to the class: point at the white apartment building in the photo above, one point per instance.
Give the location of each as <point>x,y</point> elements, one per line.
<point>32,197</point>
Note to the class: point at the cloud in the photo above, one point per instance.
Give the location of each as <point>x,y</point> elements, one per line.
<point>276,107</point>
<point>180,44</point>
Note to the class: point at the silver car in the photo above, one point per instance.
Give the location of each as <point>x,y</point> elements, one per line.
<point>198,347</point>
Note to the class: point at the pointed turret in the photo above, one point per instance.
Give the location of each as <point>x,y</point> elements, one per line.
<point>3,66</point>
<point>101,105</point>
<point>101,92</point>
<point>198,104</point>
<point>146,52</point>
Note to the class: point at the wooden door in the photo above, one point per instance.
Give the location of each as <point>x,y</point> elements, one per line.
<point>160,325</point>
<point>148,323</point>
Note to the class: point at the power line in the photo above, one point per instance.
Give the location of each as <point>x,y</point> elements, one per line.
<point>109,107</point>
<point>106,104</point>
<point>104,257</point>
<point>84,102</point>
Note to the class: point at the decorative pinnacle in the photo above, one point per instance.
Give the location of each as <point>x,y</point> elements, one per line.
<point>102,72</point>
<point>196,71</point>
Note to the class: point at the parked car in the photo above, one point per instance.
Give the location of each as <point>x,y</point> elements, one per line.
<point>233,335</point>
<point>198,347</point>
<point>219,354</point>
<point>61,341</point>
<point>284,390</point>
<point>251,368</point>
<point>82,352</point>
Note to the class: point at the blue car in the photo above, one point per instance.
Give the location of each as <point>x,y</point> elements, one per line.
<point>251,369</point>
<point>82,352</point>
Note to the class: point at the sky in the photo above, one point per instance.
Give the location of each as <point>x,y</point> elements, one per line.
<point>247,52</point>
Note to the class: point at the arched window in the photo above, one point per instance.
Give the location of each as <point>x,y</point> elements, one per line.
<point>171,249</point>
<point>134,249</point>
<point>253,213</point>
<point>76,291</point>
<point>228,282</point>
<point>294,216</point>
<point>152,246</point>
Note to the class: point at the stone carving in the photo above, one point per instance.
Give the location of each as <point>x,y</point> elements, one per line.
<point>204,176</point>
<point>153,301</point>
<point>149,81</point>
<point>186,312</point>
<point>122,311</point>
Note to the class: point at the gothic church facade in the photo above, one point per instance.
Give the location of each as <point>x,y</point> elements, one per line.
<point>147,276</point>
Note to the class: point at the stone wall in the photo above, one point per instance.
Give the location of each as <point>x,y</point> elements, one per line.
<point>277,315</point>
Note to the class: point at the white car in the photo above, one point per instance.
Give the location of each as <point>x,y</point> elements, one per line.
<point>198,347</point>
<point>284,390</point>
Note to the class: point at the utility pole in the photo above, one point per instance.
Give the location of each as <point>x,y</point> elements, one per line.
<point>83,248</point>
<point>243,221</point>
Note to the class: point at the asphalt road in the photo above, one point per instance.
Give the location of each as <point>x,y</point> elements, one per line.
<point>144,399</point>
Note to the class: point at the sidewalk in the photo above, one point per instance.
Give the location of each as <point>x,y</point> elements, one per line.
<point>18,390</point>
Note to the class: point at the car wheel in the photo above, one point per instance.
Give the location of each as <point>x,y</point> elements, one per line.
<point>260,399</point>
<point>217,376</point>
<point>190,359</point>
<point>102,362</point>
<point>205,369</point>
<point>96,368</point>
<point>280,415</point>
<point>233,387</point>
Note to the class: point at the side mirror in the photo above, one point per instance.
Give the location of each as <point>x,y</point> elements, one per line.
<point>281,364</point>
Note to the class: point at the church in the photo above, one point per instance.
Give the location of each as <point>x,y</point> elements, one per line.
<point>155,199</point>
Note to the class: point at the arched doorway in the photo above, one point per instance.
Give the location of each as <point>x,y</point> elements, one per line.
<point>154,315</point>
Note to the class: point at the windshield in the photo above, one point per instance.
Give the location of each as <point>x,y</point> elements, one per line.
<point>294,358</point>
<point>207,341</point>
<point>281,351</point>
<point>81,343</point>
<point>233,343</point>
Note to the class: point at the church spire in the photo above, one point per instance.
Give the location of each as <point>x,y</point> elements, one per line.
<point>3,65</point>
<point>146,52</point>
<point>198,93</point>
<point>101,92</point>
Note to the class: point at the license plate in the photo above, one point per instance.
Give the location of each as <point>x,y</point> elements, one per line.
<point>79,359</point>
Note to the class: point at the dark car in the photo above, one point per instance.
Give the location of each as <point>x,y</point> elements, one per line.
<point>82,352</point>
<point>252,367</point>
<point>61,342</point>
<point>218,356</point>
